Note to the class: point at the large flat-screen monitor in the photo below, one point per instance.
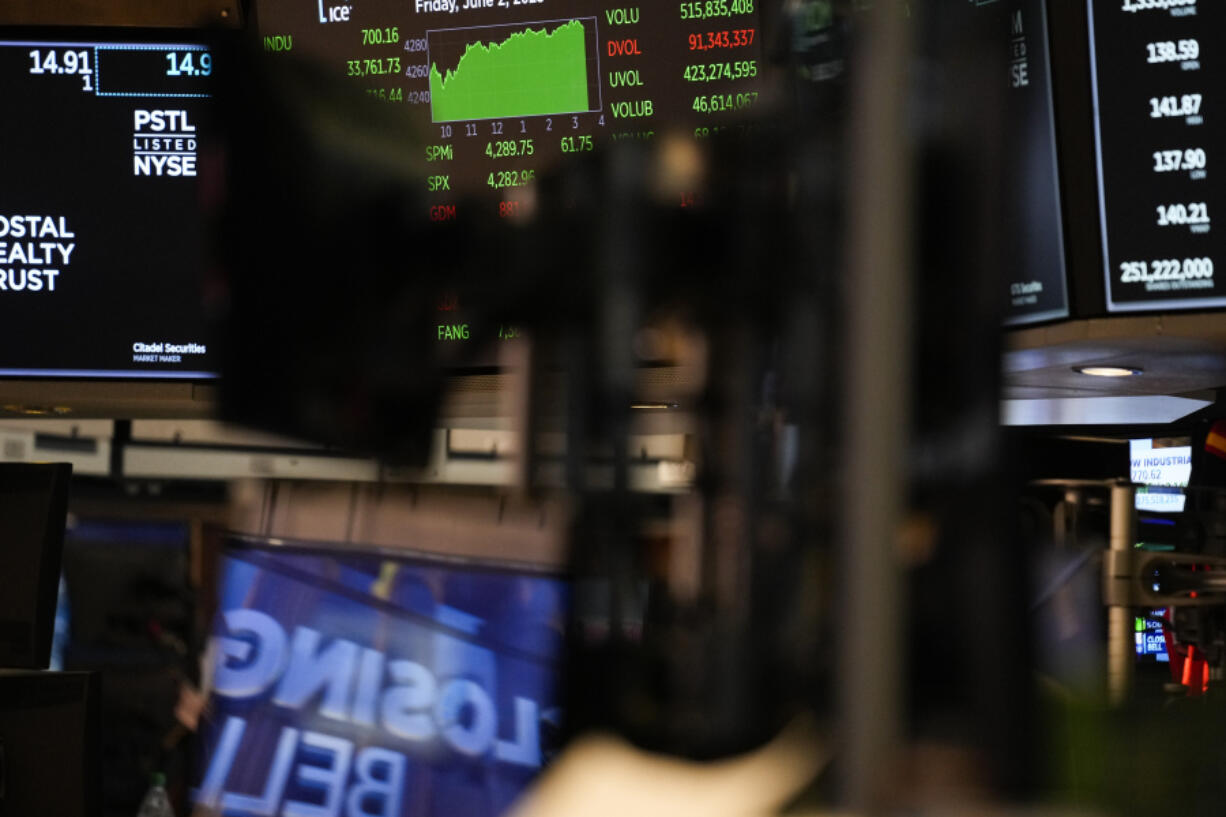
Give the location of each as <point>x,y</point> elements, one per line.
<point>394,165</point>
<point>507,89</point>
<point>1159,123</point>
<point>374,683</point>
<point>101,233</point>
<point>33,509</point>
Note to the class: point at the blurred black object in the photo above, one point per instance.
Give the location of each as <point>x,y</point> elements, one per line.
<point>50,748</point>
<point>33,509</point>
<point>330,276</point>
<point>132,620</point>
<point>968,635</point>
<point>329,272</point>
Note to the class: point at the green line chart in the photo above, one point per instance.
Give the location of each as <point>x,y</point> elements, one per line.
<point>514,70</point>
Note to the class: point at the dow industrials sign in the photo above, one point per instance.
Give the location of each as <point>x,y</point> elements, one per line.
<point>352,685</point>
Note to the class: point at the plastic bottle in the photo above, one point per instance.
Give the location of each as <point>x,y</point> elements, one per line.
<point>156,802</point>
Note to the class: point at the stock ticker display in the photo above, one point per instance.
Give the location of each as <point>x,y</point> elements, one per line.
<point>1157,86</point>
<point>101,244</point>
<point>510,87</point>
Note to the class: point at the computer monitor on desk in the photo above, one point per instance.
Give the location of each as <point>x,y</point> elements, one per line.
<point>33,508</point>
<point>49,729</point>
<point>50,738</point>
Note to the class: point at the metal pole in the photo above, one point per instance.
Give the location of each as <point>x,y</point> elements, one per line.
<point>877,412</point>
<point>1120,638</point>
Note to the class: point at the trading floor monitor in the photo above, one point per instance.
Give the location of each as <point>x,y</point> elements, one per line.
<point>33,508</point>
<point>49,744</point>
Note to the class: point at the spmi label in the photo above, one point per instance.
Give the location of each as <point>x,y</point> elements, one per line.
<point>439,153</point>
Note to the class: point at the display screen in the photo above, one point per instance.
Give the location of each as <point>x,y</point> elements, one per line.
<point>1035,263</point>
<point>1150,639</point>
<point>1160,111</point>
<point>508,88</point>
<point>101,235</point>
<point>1161,469</point>
<point>362,684</point>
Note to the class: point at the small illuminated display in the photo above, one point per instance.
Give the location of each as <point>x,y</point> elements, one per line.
<point>1161,469</point>
<point>1150,640</point>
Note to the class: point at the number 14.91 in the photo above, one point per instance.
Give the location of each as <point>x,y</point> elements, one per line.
<point>63,63</point>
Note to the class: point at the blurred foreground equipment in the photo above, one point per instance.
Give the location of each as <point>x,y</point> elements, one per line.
<point>842,403</point>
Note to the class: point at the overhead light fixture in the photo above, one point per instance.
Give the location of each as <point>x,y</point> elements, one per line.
<point>27,411</point>
<point>1106,371</point>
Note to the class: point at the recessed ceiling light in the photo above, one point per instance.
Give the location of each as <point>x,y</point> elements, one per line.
<point>1106,371</point>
